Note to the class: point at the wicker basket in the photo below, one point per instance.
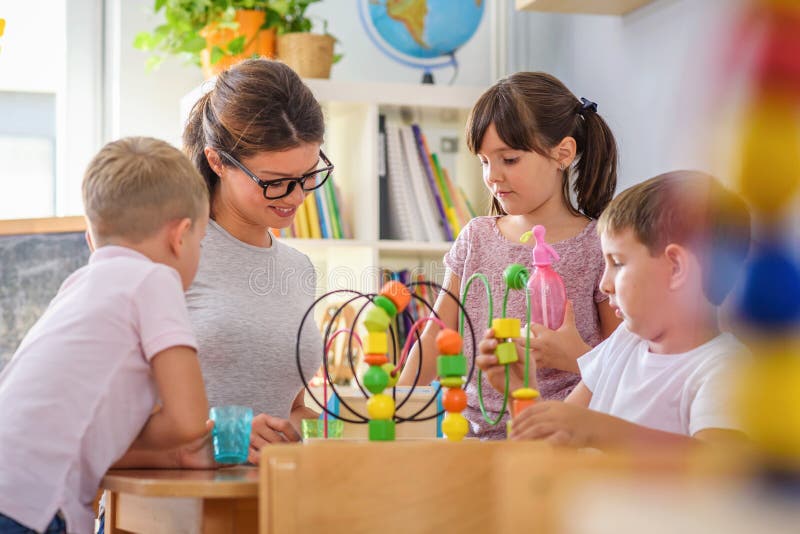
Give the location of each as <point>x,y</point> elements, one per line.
<point>309,54</point>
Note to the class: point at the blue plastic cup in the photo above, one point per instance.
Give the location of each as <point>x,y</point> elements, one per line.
<point>231,434</point>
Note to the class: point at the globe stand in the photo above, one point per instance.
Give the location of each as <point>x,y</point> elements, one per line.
<point>427,77</point>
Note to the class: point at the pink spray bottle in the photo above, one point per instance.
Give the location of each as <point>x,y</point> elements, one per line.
<point>548,297</point>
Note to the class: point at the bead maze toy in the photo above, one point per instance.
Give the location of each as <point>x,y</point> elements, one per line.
<point>379,310</point>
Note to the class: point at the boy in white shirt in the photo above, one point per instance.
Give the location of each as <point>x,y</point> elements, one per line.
<point>115,341</point>
<point>672,247</point>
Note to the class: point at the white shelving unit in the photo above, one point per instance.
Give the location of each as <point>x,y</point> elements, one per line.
<point>352,143</point>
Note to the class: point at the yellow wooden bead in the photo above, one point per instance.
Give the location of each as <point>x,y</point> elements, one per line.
<point>452,381</point>
<point>506,328</point>
<point>389,367</point>
<point>376,319</point>
<point>376,343</point>
<point>380,406</point>
<point>455,426</point>
<point>525,393</point>
<point>506,353</point>
<point>768,396</point>
<point>770,168</point>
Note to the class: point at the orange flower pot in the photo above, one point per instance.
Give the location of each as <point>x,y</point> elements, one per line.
<point>257,42</point>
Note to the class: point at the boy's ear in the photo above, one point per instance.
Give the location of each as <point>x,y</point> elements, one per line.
<point>564,152</point>
<point>679,259</point>
<point>89,241</point>
<point>177,234</point>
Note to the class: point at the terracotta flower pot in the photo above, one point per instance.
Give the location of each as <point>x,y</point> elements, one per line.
<point>309,54</point>
<point>257,42</point>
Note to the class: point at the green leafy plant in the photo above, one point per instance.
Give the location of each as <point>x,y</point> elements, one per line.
<point>181,34</point>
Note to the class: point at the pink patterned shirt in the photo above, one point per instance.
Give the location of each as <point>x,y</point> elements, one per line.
<point>481,248</point>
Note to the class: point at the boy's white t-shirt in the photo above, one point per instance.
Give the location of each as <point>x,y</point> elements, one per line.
<point>79,389</point>
<point>678,393</point>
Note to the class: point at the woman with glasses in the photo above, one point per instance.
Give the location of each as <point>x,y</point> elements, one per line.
<point>255,138</point>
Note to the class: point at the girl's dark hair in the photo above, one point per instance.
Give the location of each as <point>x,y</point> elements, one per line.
<point>534,111</point>
<point>257,105</point>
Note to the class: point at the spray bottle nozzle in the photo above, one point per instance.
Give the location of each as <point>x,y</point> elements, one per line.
<point>543,254</point>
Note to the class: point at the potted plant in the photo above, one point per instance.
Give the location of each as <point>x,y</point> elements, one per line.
<point>215,34</point>
<point>309,54</point>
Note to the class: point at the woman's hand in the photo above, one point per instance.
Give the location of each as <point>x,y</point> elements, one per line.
<point>557,349</point>
<point>268,429</point>
<point>495,372</point>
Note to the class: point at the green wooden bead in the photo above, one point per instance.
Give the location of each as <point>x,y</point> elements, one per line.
<point>387,305</point>
<point>375,379</point>
<point>376,319</point>
<point>506,353</point>
<point>381,430</point>
<point>451,366</point>
<point>516,276</point>
<point>389,367</point>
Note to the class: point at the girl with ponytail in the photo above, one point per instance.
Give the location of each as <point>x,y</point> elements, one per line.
<point>548,158</point>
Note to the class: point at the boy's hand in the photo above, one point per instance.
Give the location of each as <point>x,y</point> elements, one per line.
<point>495,372</point>
<point>557,349</point>
<point>268,429</point>
<point>559,423</point>
<point>198,454</point>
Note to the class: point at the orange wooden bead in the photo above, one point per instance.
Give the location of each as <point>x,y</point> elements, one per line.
<point>455,400</point>
<point>517,405</point>
<point>448,342</point>
<point>398,293</point>
<point>375,359</point>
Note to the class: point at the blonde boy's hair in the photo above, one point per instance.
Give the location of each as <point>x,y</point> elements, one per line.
<point>135,185</point>
<point>691,209</point>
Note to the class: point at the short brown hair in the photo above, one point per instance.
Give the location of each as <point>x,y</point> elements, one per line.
<point>533,112</point>
<point>691,209</point>
<point>256,105</point>
<point>135,185</point>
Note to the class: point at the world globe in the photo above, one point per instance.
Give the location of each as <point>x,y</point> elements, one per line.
<point>423,34</point>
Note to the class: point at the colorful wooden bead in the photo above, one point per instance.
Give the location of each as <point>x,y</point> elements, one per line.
<point>506,328</point>
<point>376,343</point>
<point>380,406</point>
<point>375,359</point>
<point>451,365</point>
<point>381,430</point>
<point>452,381</point>
<point>397,293</point>
<point>516,276</point>
<point>517,405</point>
<point>455,426</point>
<point>448,341</point>
<point>376,319</point>
<point>525,393</point>
<point>454,400</point>
<point>389,368</point>
<point>375,379</point>
<point>506,353</point>
<point>386,304</point>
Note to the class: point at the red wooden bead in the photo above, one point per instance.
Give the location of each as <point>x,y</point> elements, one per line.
<point>398,293</point>
<point>455,400</point>
<point>448,342</point>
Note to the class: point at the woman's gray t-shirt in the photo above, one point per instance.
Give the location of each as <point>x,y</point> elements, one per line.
<point>246,305</point>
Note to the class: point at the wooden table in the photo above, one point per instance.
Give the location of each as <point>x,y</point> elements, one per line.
<point>182,501</point>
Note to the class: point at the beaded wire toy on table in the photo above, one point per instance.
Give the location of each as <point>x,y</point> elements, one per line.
<point>379,311</point>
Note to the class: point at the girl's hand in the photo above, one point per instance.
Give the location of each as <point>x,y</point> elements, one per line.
<point>198,454</point>
<point>559,423</point>
<point>495,372</point>
<point>268,429</point>
<point>557,349</point>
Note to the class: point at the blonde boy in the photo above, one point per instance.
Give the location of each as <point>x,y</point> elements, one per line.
<point>662,375</point>
<point>116,339</point>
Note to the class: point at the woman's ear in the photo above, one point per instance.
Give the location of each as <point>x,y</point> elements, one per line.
<point>680,260</point>
<point>177,235</point>
<point>213,160</point>
<point>565,151</point>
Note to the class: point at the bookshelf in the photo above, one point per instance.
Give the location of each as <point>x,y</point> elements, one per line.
<point>352,142</point>
<point>594,7</point>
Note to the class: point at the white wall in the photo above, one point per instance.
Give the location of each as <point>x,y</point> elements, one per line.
<point>654,74</point>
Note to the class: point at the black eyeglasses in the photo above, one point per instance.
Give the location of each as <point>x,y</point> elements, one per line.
<point>275,189</point>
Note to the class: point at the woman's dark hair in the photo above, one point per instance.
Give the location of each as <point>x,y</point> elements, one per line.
<point>534,111</point>
<point>257,105</point>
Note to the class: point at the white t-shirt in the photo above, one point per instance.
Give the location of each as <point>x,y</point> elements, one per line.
<point>79,389</point>
<point>678,393</point>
